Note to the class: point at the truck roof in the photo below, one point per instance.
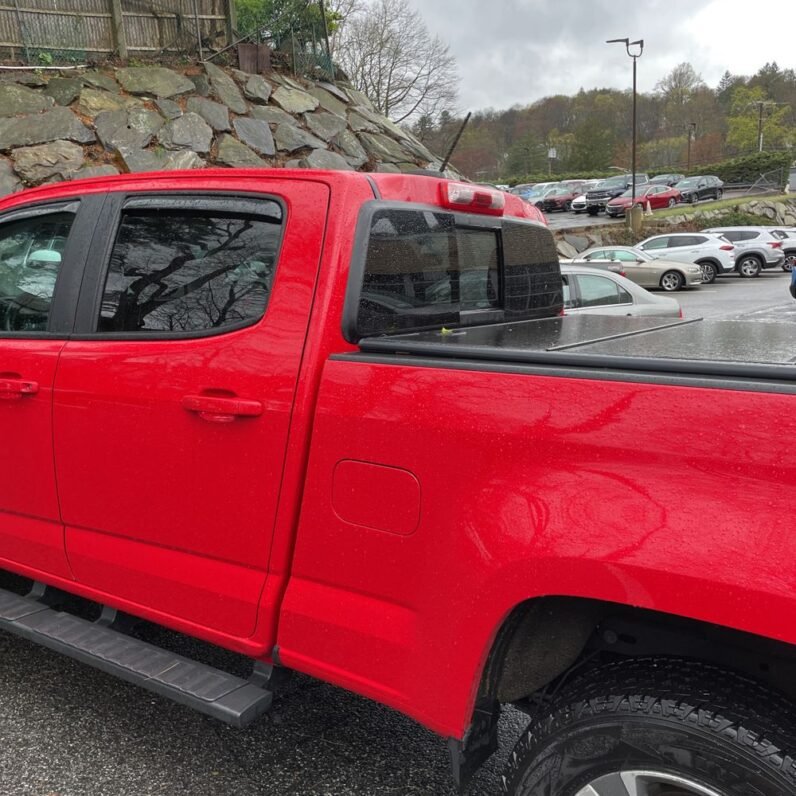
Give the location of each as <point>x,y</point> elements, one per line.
<point>416,188</point>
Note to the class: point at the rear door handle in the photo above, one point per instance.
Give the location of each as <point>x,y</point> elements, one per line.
<point>221,409</point>
<point>12,389</point>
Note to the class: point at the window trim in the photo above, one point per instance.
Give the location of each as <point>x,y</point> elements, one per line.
<point>98,263</point>
<point>87,211</point>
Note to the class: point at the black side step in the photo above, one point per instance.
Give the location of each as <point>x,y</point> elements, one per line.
<point>208,690</point>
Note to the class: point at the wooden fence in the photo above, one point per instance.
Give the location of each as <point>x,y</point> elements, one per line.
<point>44,30</point>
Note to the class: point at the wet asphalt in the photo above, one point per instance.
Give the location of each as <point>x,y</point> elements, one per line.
<point>69,730</point>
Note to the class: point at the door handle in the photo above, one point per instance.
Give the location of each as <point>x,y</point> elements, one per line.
<point>12,389</point>
<point>221,409</point>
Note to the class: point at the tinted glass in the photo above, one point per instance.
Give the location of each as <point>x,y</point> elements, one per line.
<point>423,270</point>
<point>182,271</point>
<point>30,259</point>
<point>655,243</point>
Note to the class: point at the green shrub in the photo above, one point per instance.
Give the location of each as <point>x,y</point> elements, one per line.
<point>747,170</point>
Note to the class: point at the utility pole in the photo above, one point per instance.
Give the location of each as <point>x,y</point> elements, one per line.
<point>691,129</point>
<point>760,106</point>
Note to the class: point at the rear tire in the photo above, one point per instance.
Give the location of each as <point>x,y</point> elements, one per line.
<point>669,726</point>
<point>749,266</point>
<point>719,194</point>
<point>790,261</point>
<point>672,202</point>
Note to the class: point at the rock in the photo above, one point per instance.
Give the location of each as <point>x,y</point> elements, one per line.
<point>289,138</point>
<point>382,148</point>
<point>273,115</point>
<point>768,212</point>
<point>120,130</point>
<point>336,90</point>
<point>322,159</point>
<point>325,125</point>
<point>169,108</point>
<point>214,113</point>
<point>388,168</point>
<point>141,160</point>
<point>240,76</point>
<point>190,131</point>
<point>154,81</point>
<point>255,134</point>
<point>257,89</point>
<point>359,123</point>
<point>201,84</point>
<point>225,89</point>
<point>57,124</point>
<point>293,100</point>
<point>294,163</point>
<point>358,98</point>
<point>94,101</point>
<point>9,182</point>
<point>30,79</point>
<point>98,80</point>
<point>16,99</point>
<point>105,170</point>
<point>184,159</point>
<point>567,250</point>
<point>232,153</point>
<point>64,90</point>
<point>417,148</point>
<point>352,149</point>
<point>579,242</point>
<point>328,102</point>
<point>36,164</point>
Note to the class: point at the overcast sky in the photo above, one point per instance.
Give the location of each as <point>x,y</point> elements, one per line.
<point>517,51</point>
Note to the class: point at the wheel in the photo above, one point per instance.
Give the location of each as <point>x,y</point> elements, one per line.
<point>693,198</point>
<point>749,266</point>
<point>655,727</point>
<point>567,207</point>
<point>672,202</point>
<point>577,212</point>
<point>790,261</point>
<point>592,212</point>
<point>671,281</point>
<point>719,194</point>
<point>709,272</point>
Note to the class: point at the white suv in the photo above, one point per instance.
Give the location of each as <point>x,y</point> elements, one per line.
<point>713,253</point>
<point>756,248</point>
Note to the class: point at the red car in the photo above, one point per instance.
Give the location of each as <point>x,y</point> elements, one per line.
<point>559,199</point>
<point>657,196</point>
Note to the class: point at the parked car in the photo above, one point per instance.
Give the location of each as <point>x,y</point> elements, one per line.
<point>667,179</point>
<point>713,253</point>
<point>578,204</point>
<point>788,237</point>
<point>603,192</point>
<point>559,198</point>
<point>694,189</point>
<point>592,291</point>
<point>537,196</point>
<point>656,196</point>
<point>756,248</point>
<point>643,269</point>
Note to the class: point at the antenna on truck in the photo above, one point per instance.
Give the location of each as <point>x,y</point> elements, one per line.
<point>455,142</point>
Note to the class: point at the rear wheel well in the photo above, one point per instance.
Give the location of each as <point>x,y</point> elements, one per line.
<point>545,638</point>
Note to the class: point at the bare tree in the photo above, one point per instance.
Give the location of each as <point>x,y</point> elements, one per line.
<point>389,55</point>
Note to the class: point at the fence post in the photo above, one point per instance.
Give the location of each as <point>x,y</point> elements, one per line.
<point>232,20</point>
<point>117,23</point>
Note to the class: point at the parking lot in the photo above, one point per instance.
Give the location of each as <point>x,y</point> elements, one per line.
<point>67,730</point>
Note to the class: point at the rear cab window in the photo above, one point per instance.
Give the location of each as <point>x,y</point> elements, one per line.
<point>418,268</point>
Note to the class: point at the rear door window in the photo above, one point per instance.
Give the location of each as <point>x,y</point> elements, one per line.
<point>598,291</point>
<point>196,270</point>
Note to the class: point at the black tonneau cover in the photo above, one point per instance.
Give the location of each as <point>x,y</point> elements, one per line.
<point>755,349</point>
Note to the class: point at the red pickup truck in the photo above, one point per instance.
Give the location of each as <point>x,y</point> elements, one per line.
<point>339,423</point>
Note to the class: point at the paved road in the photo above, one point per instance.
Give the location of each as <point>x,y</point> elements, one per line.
<point>67,730</point>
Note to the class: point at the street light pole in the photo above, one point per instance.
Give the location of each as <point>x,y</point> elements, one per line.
<point>635,56</point>
<point>691,130</point>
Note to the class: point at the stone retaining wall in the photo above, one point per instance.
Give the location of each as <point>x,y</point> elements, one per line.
<point>63,126</point>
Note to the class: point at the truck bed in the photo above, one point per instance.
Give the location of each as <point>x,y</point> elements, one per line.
<point>715,348</point>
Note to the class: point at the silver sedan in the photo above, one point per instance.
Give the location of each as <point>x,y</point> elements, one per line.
<point>642,268</point>
<point>594,291</point>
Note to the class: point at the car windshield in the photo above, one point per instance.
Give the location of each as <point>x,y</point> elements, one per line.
<point>686,184</point>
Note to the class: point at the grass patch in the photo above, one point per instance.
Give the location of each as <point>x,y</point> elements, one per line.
<point>688,209</point>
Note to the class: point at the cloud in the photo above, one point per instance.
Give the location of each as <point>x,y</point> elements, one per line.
<point>517,51</point>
